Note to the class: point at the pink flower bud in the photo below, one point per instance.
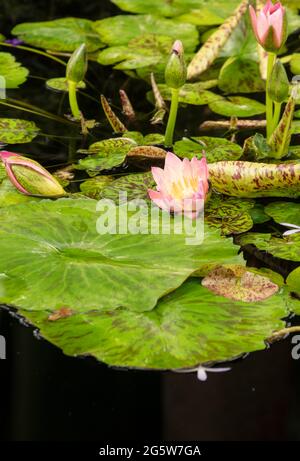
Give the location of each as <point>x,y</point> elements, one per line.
<point>270,26</point>
<point>29,177</point>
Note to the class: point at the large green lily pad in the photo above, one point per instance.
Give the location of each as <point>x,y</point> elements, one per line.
<point>17,131</point>
<point>52,256</point>
<point>119,30</point>
<point>188,327</point>
<point>236,106</point>
<point>13,72</point>
<point>9,195</point>
<point>216,149</point>
<point>64,34</point>
<point>199,12</point>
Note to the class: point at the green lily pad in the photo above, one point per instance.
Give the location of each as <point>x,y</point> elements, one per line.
<point>236,106</point>
<point>65,253</point>
<point>105,155</point>
<point>120,30</point>
<point>61,84</point>
<point>229,214</point>
<point>130,187</point>
<point>9,195</point>
<point>241,76</point>
<point>182,331</point>
<point>146,50</point>
<point>295,63</point>
<point>296,127</point>
<point>93,187</point>
<point>216,149</point>
<point>190,93</point>
<point>258,214</point>
<point>17,131</point>
<point>284,212</point>
<point>293,282</point>
<point>12,71</point>
<point>284,248</point>
<point>64,34</point>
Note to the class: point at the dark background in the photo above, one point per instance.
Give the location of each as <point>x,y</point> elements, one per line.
<point>46,395</point>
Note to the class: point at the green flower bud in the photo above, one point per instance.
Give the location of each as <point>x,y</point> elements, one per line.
<point>176,72</point>
<point>279,86</point>
<point>77,65</point>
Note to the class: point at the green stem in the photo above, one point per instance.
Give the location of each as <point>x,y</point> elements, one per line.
<point>172,118</point>
<point>276,116</point>
<point>73,100</point>
<point>33,50</point>
<point>269,102</point>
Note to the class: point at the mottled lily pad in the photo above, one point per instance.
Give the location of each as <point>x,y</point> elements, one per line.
<point>284,248</point>
<point>17,131</point>
<point>64,34</point>
<point>229,214</point>
<point>182,331</point>
<point>130,187</point>
<point>241,76</point>
<point>215,149</point>
<point>12,71</point>
<point>190,93</point>
<point>93,187</point>
<point>239,284</point>
<point>236,106</point>
<point>61,84</point>
<point>68,253</point>
<point>105,155</point>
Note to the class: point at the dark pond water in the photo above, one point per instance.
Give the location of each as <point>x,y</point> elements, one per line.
<point>49,396</point>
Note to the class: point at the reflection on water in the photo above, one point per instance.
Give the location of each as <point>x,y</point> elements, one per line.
<point>49,396</point>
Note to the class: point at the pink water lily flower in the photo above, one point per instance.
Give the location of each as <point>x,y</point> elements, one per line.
<point>269,25</point>
<point>182,185</point>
